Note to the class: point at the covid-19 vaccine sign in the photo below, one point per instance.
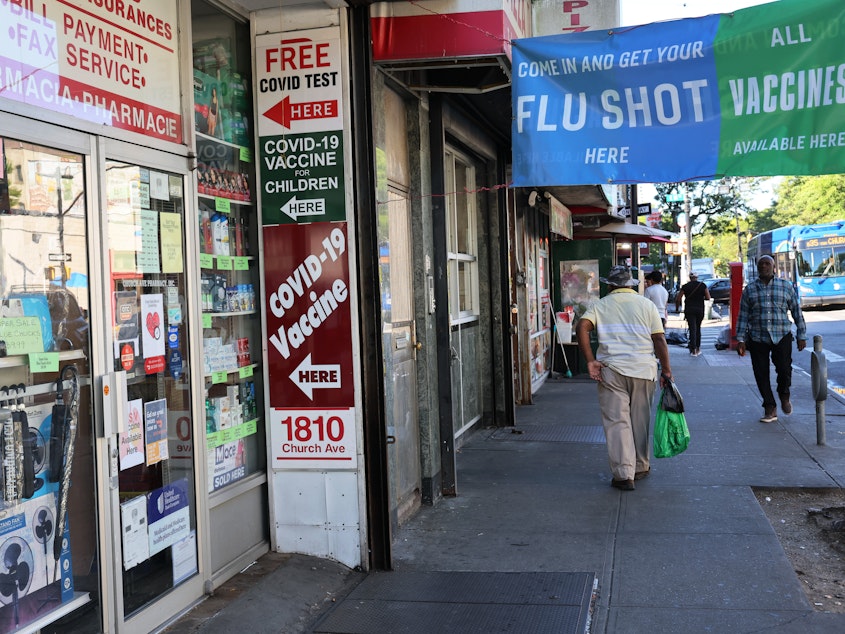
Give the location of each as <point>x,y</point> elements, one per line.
<point>306,250</point>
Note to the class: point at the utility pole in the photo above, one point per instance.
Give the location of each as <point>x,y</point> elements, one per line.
<point>686,262</point>
<point>634,219</point>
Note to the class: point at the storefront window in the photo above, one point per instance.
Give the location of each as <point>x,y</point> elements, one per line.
<point>145,210</point>
<point>48,536</point>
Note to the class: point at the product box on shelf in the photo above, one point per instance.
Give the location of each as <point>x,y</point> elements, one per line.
<point>244,357</point>
<point>27,533</point>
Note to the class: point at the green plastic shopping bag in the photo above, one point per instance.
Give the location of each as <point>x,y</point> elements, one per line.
<point>671,434</point>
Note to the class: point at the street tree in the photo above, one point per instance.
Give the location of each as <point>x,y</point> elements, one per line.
<point>809,200</point>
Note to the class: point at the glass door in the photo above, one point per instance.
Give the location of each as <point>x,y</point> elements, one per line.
<point>153,467</point>
<point>49,555</point>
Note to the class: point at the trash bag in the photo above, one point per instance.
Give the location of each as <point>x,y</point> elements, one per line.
<point>671,398</point>
<point>671,434</point>
<point>676,336</point>
<point>724,338</point>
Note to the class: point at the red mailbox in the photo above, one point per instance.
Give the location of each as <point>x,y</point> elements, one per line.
<point>736,294</point>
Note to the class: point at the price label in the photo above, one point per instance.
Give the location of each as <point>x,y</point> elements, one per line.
<point>240,263</point>
<point>313,438</point>
<point>223,205</point>
<point>206,261</point>
<point>206,320</point>
<point>219,377</point>
<point>43,362</point>
<point>224,262</point>
<point>246,154</point>
<point>245,372</point>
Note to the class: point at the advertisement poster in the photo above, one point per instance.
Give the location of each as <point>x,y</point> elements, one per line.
<point>169,516</point>
<point>757,92</point>
<point>226,464</point>
<point>126,321</point>
<point>148,258</point>
<point>152,325</point>
<point>133,521</point>
<point>308,315</point>
<point>170,225</point>
<point>313,439</point>
<point>132,442</point>
<point>155,430</point>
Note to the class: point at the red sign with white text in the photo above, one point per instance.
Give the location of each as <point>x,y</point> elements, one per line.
<point>309,346</point>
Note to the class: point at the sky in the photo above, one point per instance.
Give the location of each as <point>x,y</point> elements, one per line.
<point>645,11</point>
<point>635,12</point>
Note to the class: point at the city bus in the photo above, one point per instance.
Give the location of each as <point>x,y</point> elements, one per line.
<point>812,257</point>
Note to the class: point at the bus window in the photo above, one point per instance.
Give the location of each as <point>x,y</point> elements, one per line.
<point>815,262</point>
<point>784,266</point>
<point>839,255</point>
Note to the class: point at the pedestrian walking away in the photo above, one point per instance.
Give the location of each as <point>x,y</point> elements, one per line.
<point>764,329</point>
<point>630,335</point>
<point>694,294</point>
<point>657,293</point>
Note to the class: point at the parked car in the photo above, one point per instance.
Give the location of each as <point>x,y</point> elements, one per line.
<point>720,289</point>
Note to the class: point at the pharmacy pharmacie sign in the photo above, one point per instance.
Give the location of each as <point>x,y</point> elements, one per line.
<point>110,63</point>
<point>299,100</point>
<point>757,92</point>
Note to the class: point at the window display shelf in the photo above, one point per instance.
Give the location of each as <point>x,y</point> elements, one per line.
<point>221,437</point>
<point>231,313</point>
<point>79,599</point>
<point>233,201</point>
<point>243,372</point>
<point>221,496</point>
<point>18,360</point>
<point>229,229</point>
<point>204,138</point>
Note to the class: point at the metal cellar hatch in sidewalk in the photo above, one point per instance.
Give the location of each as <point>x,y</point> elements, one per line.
<point>465,602</point>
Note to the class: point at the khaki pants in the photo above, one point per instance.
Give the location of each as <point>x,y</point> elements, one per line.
<point>625,404</point>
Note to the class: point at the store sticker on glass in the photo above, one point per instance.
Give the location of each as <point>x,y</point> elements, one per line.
<point>155,431</point>
<point>175,364</point>
<point>227,464</point>
<point>168,513</point>
<point>132,440</point>
<point>173,337</point>
<point>174,314</point>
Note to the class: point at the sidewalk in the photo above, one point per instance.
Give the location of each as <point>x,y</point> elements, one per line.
<point>536,532</point>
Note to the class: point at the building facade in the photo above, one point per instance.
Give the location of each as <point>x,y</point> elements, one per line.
<point>261,276</point>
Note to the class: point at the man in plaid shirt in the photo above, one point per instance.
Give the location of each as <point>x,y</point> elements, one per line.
<point>764,329</point>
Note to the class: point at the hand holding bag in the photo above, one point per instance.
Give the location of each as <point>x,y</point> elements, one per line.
<point>672,399</point>
<point>671,434</point>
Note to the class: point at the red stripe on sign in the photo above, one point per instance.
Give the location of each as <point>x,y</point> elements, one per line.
<point>126,113</point>
<point>454,35</point>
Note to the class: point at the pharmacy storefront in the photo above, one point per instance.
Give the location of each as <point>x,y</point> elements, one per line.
<point>131,388</point>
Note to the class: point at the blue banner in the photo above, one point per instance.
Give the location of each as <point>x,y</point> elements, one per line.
<point>758,92</point>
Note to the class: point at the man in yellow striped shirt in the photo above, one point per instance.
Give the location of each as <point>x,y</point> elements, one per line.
<point>630,334</point>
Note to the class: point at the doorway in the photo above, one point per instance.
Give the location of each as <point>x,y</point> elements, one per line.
<point>398,310</point>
